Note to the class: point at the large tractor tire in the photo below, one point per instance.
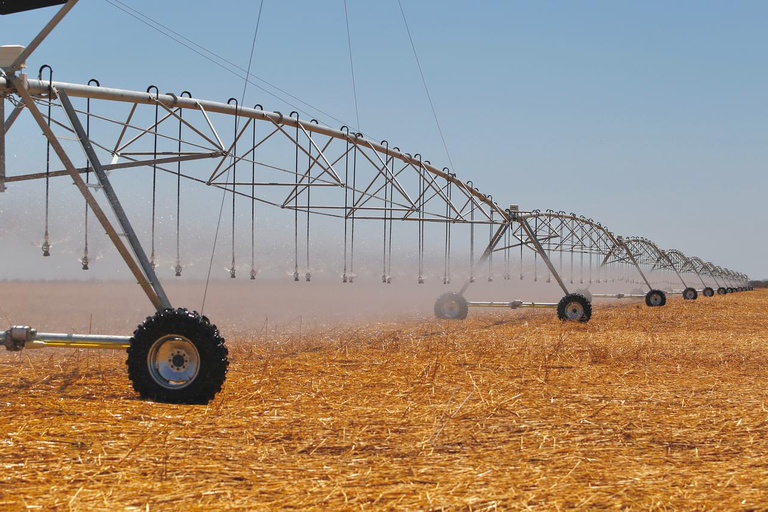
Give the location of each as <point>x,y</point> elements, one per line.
<point>177,356</point>
<point>451,306</point>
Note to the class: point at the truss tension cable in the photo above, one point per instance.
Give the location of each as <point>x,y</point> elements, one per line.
<point>148,279</point>
<point>46,239</point>
<point>84,262</point>
<point>154,175</point>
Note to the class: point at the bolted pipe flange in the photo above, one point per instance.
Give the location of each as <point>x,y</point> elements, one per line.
<point>17,336</point>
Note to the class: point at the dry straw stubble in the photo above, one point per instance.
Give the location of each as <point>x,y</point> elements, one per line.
<point>641,408</point>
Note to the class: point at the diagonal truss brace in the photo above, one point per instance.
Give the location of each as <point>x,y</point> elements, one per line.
<point>147,280</point>
<point>158,298</point>
<point>2,143</point>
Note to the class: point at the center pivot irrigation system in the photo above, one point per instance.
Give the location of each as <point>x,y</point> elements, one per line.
<point>307,171</point>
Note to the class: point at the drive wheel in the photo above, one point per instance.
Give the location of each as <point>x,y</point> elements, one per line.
<point>584,293</point>
<point>655,299</point>
<point>708,292</point>
<point>690,294</point>
<point>177,356</point>
<point>451,306</point>
<point>721,291</point>
<point>574,308</point>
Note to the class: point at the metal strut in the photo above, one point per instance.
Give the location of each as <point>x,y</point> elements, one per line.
<point>486,253</point>
<point>539,249</point>
<point>2,143</point>
<point>662,257</point>
<point>151,287</point>
<point>623,245</point>
<point>148,280</point>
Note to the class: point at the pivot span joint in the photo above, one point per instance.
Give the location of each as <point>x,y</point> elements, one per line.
<point>21,337</point>
<point>17,336</point>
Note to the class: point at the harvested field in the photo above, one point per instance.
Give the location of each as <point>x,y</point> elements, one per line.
<point>640,409</point>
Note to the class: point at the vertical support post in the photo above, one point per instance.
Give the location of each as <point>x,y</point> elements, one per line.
<point>2,143</point>
<point>544,256</point>
<point>117,208</point>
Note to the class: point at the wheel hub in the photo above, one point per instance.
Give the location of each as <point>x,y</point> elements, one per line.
<point>574,311</point>
<point>179,361</point>
<point>451,309</point>
<point>173,361</point>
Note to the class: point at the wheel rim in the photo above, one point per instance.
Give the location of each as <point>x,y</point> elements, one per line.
<point>574,311</point>
<point>689,294</point>
<point>656,299</point>
<point>451,309</point>
<point>173,361</point>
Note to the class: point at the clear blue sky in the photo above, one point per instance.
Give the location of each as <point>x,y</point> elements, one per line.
<point>647,116</point>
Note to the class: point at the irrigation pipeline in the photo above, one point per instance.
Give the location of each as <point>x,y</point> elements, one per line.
<point>39,88</point>
<point>439,197</point>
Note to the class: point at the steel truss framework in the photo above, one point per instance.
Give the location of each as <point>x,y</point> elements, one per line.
<point>306,168</point>
<point>328,172</point>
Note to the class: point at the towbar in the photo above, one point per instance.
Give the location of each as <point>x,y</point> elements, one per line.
<point>515,304</point>
<point>20,337</point>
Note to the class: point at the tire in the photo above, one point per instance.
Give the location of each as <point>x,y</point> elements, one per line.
<point>177,356</point>
<point>451,306</point>
<point>708,292</point>
<point>584,293</point>
<point>655,299</point>
<point>731,290</point>
<point>574,307</point>
<point>690,294</point>
<point>721,291</point>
